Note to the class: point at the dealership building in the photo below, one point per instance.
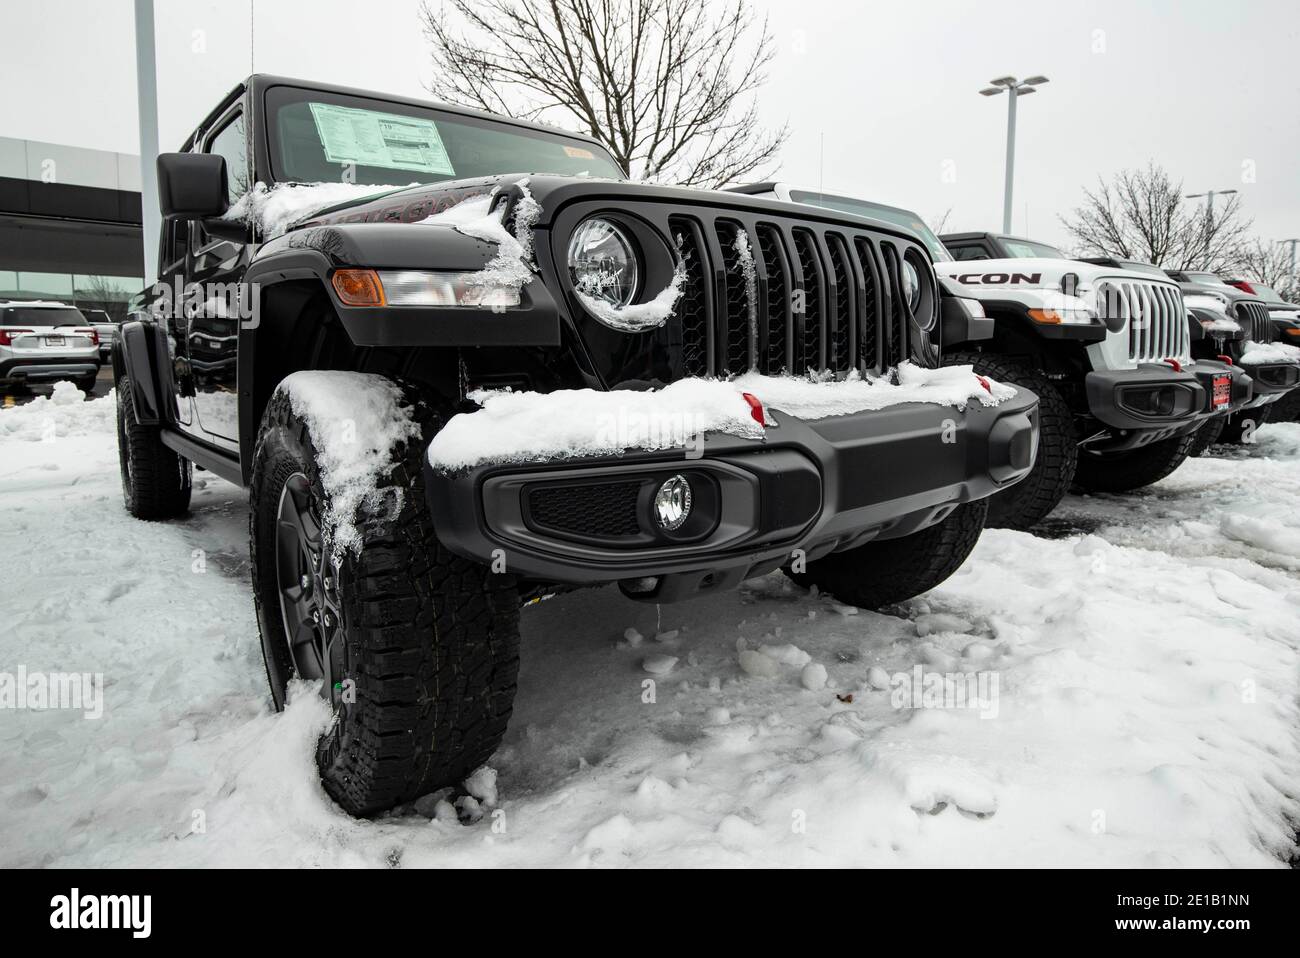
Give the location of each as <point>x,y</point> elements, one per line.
<point>69,225</point>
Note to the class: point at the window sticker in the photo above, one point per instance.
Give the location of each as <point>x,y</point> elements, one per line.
<point>386,140</point>
<point>579,153</point>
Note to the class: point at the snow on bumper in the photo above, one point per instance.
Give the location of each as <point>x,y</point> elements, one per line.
<point>1274,368</point>
<point>858,467</point>
<point>572,423</point>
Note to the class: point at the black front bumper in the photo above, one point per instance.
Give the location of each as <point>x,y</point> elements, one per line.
<point>1272,380</point>
<point>813,486</point>
<point>1155,401</point>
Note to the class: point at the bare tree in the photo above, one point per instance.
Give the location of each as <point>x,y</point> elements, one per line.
<point>1270,264</point>
<point>666,85</point>
<point>1143,215</point>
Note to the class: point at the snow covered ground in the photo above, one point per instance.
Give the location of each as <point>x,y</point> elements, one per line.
<point>1135,676</point>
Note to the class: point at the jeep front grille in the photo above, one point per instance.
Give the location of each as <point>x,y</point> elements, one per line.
<point>1157,320</point>
<point>1253,318</point>
<point>739,307</point>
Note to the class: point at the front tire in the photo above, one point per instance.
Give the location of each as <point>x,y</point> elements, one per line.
<point>1240,427</point>
<point>1031,499</point>
<point>417,649</point>
<point>1126,471</point>
<point>1286,409</point>
<point>1207,435</point>
<point>156,481</point>
<point>892,570</point>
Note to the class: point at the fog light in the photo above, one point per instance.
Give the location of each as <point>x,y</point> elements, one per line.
<point>673,503</point>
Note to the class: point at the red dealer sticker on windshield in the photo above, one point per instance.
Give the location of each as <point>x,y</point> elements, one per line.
<point>1222,391</point>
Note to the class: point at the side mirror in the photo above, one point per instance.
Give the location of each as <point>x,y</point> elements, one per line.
<point>192,186</point>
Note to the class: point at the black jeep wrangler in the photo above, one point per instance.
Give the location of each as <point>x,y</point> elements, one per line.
<point>413,627</point>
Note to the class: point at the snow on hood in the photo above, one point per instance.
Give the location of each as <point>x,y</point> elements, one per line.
<point>526,426</point>
<point>513,266</point>
<point>272,210</point>
<point>1257,353</point>
<point>357,421</point>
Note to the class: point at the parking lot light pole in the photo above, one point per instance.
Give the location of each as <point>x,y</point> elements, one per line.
<point>1209,201</point>
<point>146,90</point>
<point>1291,272</point>
<point>1015,89</point>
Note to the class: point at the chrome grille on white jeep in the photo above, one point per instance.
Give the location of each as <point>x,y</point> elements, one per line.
<point>1156,318</point>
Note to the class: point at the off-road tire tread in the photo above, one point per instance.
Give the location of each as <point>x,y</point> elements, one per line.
<point>432,641</point>
<point>889,571</point>
<point>1031,499</point>
<point>1126,471</point>
<point>161,479</point>
<point>1234,430</point>
<point>1286,409</point>
<point>1207,436</point>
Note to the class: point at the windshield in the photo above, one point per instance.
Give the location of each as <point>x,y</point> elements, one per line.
<point>41,316</point>
<point>318,137</point>
<point>875,211</point>
<point>1205,279</point>
<point>1026,249</point>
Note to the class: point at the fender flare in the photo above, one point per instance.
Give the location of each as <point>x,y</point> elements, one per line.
<point>136,354</point>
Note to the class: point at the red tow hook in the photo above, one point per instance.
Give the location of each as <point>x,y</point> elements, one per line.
<point>985,383</point>
<point>755,408</point>
<point>1178,367</point>
<point>1225,359</point>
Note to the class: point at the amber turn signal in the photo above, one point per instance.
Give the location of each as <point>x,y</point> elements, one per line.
<point>1048,316</point>
<point>358,287</point>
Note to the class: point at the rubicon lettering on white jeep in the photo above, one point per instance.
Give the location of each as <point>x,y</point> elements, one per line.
<point>75,910</point>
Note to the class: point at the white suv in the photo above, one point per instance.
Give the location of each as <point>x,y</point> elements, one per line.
<point>46,341</point>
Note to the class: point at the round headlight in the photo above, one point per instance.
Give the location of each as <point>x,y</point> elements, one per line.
<point>673,503</point>
<point>911,286</point>
<point>602,262</point>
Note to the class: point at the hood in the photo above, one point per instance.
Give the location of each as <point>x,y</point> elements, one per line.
<point>1231,293</point>
<point>1024,280</point>
<point>411,204</point>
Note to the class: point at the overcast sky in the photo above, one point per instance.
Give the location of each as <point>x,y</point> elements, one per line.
<point>881,97</point>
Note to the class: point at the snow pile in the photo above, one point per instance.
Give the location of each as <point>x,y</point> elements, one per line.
<point>357,422</point>
<point>1256,353</point>
<point>512,267</point>
<point>65,412</point>
<point>273,210</point>
<point>523,426</point>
